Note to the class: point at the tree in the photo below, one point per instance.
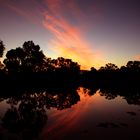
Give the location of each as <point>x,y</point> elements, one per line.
<point>12,61</point>
<point>29,58</point>
<point>133,65</point>
<point>65,65</point>
<point>34,57</point>
<point>92,69</point>
<point>109,67</point>
<point>2,48</point>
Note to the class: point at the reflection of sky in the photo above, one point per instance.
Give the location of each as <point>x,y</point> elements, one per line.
<point>90,32</point>
<point>82,119</point>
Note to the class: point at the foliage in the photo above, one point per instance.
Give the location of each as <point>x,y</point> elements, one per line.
<point>109,67</point>
<point>28,64</point>
<point>29,58</point>
<point>2,48</point>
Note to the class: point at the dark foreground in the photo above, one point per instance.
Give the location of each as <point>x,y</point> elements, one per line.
<point>70,113</point>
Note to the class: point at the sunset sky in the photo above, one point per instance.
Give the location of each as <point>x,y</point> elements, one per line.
<point>91,32</point>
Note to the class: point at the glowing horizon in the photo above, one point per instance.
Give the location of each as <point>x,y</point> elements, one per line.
<point>89,32</point>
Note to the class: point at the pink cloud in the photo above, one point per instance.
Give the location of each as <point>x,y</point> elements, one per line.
<point>67,23</point>
<point>68,40</point>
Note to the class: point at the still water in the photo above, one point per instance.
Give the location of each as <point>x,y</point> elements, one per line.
<point>79,115</point>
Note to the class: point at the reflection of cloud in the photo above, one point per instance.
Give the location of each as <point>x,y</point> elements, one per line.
<point>68,40</point>
<point>64,121</point>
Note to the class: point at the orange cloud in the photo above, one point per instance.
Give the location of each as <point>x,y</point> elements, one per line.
<point>137,57</point>
<point>67,23</point>
<point>67,38</point>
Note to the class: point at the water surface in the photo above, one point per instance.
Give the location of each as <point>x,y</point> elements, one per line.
<point>78,115</point>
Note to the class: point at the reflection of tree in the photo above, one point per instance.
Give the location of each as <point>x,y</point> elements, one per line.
<point>61,101</point>
<point>133,100</point>
<point>27,68</point>
<point>130,94</point>
<point>24,117</point>
<point>27,114</point>
<point>48,100</point>
<point>26,121</point>
<point>108,94</point>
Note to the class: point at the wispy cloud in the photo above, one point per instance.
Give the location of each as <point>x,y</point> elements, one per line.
<point>67,40</point>
<point>68,24</point>
<point>30,10</point>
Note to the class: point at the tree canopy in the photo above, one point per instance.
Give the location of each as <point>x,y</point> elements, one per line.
<point>2,48</point>
<point>29,58</point>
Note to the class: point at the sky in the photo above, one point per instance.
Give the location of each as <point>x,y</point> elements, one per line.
<point>90,32</point>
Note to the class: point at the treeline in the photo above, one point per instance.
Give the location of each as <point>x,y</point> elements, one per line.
<point>112,76</point>
<point>27,65</point>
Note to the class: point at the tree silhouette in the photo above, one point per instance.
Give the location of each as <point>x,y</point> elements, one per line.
<point>27,64</point>
<point>133,65</point>
<point>93,69</point>
<point>65,64</point>
<point>109,67</point>
<point>34,57</point>
<point>123,68</point>
<point>2,48</point>
<point>12,61</point>
<point>29,58</point>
